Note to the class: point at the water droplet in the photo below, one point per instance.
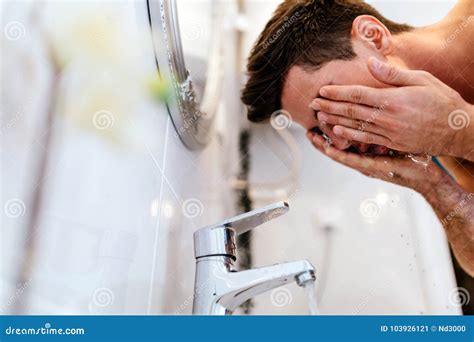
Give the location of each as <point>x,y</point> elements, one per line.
<point>327,138</point>
<point>422,159</point>
<point>391,174</point>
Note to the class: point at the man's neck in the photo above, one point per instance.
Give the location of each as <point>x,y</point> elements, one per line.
<point>443,49</point>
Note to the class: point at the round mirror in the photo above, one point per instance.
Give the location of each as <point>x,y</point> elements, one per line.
<point>187,43</point>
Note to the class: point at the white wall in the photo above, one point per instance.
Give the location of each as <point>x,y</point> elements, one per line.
<point>112,236</point>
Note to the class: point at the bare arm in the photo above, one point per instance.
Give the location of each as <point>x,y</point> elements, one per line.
<point>455,209</point>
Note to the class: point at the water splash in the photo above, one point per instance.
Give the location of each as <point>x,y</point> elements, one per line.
<point>421,159</point>
<point>328,142</point>
<point>186,89</point>
<point>310,291</point>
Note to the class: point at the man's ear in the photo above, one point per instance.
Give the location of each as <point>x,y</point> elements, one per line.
<point>369,29</point>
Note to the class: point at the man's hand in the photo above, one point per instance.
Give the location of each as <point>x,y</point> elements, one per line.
<point>399,170</point>
<point>453,206</point>
<point>420,114</point>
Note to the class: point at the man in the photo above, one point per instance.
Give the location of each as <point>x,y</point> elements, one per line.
<point>322,61</point>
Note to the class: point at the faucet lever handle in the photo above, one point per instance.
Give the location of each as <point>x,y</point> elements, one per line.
<point>247,221</point>
<point>219,239</point>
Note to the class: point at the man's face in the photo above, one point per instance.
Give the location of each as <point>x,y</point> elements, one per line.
<point>301,87</point>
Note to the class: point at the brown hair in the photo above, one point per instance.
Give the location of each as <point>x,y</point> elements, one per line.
<point>307,33</point>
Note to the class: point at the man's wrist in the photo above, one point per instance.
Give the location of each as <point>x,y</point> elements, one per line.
<point>434,178</point>
<point>462,121</point>
<point>444,195</point>
<point>469,146</point>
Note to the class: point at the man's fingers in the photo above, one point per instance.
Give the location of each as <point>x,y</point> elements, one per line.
<point>359,125</point>
<point>354,93</point>
<point>352,160</point>
<point>347,109</point>
<point>381,167</point>
<point>317,140</point>
<point>393,75</point>
<point>339,120</point>
<point>361,136</point>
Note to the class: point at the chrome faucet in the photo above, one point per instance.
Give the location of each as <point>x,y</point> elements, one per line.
<point>219,289</point>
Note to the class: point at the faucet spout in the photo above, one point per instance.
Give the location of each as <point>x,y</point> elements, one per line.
<point>250,283</point>
<point>221,289</point>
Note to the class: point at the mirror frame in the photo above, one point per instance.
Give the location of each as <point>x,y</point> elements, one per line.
<point>193,123</point>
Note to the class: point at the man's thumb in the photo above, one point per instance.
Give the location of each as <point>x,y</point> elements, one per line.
<point>390,74</point>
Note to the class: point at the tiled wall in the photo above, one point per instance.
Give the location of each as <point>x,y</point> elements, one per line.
<point>119,206</point>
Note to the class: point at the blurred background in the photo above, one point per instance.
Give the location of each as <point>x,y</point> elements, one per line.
<point>103,182</point>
